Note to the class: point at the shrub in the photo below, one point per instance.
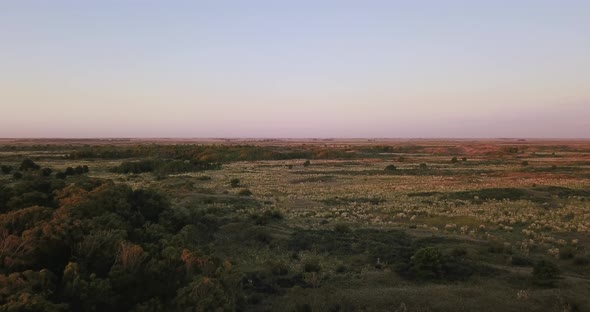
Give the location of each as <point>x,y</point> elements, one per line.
<point>582,260</point>
<point>390,168</point>
<point>262,236</point>
<point>521,260</point>
<point>566,253</point>
<point>70,171</point>
<point>342,228</point>
<point>312,266</point>
<point>306,163</point>
<point>454,160</point>
<point>17,175</point>
<point>46,172</point>
<point>524,163</point>
<point>428,263</point>
<point>459,252</point>
<point>306,307</point>
<point>28,164</point>
<point>234,182</point>
<point>423,166</point>
<point>255,299</point>
<point>496,247</point>
<point>245,192</point>
<point>6,169</point>
<point>290,166</point>
<point>545,273</point>
<point>464,159</point>
<point>278,268</point>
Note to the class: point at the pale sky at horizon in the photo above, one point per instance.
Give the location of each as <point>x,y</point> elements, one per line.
<point>114,68</point>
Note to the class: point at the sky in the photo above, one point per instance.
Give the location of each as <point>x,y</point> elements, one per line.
<point>298,69</point>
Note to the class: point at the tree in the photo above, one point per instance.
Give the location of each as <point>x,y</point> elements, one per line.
<point>28,164</point>
<point>70,171</point>
<point>79,170</point>
<point>46,172</point>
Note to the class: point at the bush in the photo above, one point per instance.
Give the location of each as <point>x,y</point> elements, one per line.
<point>423,166</point>
<point>306,163</point>
<point>245,192</point>
<point>454,160</point>
<point>6,169</point>
<point>46,172</point>
<point>17,175</point>
<point>428,263</point>
<point>459,252</point>
<point>234,182</point>
<point>582,260</point>
<point>342,228</point>
<point>521,260</point>
<point>391,168</point>
<point>28,164</point>
<point>524,163</point>
<point>545,273</point>
<point>278,268</point>
<point>566,253</point>
<point>312,266</point>
<point>70,171</point>
<point>464,159</point>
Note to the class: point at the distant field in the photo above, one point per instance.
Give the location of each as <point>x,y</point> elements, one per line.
<point>321,224</point>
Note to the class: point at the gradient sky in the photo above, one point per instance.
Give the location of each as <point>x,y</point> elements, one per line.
<point>114,68</point>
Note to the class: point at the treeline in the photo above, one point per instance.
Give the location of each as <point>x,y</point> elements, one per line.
<point>29,168</point>
<point>93,245</point>
<point>211,153</point>
<point>162,166</point>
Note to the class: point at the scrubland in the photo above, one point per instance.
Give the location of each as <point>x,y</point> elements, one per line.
<point>498,225</point>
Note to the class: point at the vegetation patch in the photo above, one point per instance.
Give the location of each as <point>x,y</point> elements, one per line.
<point>540,194</point>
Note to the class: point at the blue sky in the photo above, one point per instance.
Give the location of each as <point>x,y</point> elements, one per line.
<point>295,68</point>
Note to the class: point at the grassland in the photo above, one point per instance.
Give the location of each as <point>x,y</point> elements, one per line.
<point>345,232</point>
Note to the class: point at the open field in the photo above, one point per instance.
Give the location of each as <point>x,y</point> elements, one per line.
<point>307,225</point>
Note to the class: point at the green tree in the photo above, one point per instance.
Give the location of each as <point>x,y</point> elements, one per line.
<point>28,164</point>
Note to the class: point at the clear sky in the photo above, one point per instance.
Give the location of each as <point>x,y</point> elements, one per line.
<point>301,68</point>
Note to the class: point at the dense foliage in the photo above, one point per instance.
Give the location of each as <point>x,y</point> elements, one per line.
<point>159,166</point>
<point>92,245</point>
